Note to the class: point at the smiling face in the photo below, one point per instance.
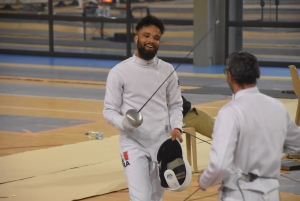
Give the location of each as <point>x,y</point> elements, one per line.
<point>147,39</point>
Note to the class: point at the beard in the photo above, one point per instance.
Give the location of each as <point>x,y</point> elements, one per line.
<point>145,54</point>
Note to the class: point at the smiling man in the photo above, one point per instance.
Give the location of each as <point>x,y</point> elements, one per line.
<point>129,86</point>
<point>147,40</point>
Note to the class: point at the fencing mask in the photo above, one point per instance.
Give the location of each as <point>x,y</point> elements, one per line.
<point>174,170</point>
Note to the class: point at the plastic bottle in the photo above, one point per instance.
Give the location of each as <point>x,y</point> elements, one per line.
<point>93,135</point>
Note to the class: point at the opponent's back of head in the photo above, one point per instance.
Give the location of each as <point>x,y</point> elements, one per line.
<point>243,67</point>
<point>150,20</point>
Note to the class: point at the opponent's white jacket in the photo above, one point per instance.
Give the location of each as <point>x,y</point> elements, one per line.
<point>129,85</point>
<point>250,134</point>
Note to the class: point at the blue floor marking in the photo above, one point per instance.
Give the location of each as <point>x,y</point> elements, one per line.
<point>288,185</point>
<point>103,63</point>
<point>58,61</point>
<point>16,123</point>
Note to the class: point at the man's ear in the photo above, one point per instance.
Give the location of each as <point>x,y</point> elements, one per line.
<point>231,78</point>
<point>136,38</point>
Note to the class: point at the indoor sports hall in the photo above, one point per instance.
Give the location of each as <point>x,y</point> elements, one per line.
<point>54,60</point>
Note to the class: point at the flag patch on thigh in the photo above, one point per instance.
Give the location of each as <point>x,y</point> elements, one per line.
<point>125,159</point>
<point>125,154</point>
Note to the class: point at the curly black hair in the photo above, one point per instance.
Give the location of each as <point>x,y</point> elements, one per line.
<point>243,67</point>
<point>150,20</point>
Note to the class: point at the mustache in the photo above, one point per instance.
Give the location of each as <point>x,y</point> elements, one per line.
<point>150,44</point>
<point>146,54</point>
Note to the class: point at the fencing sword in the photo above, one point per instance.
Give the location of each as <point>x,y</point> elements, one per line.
<point>196,137</point>
<point>134,116</point>
<point>198,187</point>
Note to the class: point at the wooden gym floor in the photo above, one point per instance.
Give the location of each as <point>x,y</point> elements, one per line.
<point>45,103</point>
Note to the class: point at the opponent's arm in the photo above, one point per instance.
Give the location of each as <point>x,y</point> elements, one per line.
<point>292,141</point>
<point>225,136</point>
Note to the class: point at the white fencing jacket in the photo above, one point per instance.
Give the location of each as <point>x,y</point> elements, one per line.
<point>129,85</point>
<point>250,134</point>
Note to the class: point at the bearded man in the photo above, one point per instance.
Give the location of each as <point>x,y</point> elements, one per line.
<point>129,85</point>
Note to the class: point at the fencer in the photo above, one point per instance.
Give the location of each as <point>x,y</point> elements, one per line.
<point>249,136</point>
<point>129,85</point>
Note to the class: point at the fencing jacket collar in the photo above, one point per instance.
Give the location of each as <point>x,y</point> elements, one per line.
<point>145,63</point>
<point>240,93</point>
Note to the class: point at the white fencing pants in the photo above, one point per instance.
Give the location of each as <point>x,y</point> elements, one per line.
<point>141,173</point>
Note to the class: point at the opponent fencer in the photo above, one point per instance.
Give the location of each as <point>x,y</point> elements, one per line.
<point>250,134</point>
<point>129,85</point>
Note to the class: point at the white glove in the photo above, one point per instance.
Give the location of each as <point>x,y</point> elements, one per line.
<point>132,120</point>
<point>127,125</point>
